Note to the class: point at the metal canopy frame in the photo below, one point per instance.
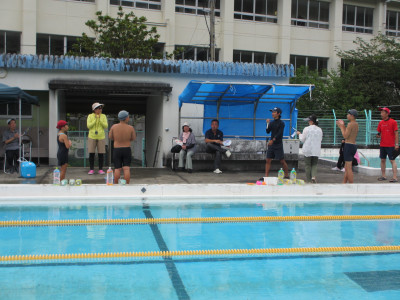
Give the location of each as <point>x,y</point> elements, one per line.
<point>220,97</point>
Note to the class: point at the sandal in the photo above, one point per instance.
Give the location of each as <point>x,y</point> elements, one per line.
<point>393,180</point>
<point>382,178</point>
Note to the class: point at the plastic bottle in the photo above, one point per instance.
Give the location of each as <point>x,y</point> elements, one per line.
<point>293,176</point>
<point>281,175</point>
<point>110,176</point>
<point>56,176</point>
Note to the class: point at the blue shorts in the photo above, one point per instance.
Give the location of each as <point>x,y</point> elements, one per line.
<point>275,151</point>
<point>349,151</point>
<point>386,151</point>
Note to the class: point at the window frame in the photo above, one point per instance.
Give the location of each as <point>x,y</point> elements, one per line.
<point>16,33</point>
<point>196,49</point>
<point>254,15</point>
<point>392,32</point>
<point>16,116</point>
<point>196,8</point>
<point>49,36</point>
<point>151,4</point>
<point>296,21</point>
<point>320,60</point>
<point>253,53</point>
<point>354,27</point>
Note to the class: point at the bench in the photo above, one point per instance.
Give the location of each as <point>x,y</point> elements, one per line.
<point>247,155</point>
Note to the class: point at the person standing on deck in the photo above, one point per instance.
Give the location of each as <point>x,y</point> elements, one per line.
<point>388,132</point>
<point>350,148</point>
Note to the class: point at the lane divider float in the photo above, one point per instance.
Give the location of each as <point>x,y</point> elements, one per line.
<point>218,252</point>
<point>82,222</point>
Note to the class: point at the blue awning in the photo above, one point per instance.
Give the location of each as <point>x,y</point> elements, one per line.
<point>14,94</point>
<point>242,107</point>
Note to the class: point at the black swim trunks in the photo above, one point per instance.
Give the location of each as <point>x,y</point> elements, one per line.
<point>122,157</point>
<point>349,151</point>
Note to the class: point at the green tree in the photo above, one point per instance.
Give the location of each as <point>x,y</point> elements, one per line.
<point>125,36</point>
<point>370,78</point>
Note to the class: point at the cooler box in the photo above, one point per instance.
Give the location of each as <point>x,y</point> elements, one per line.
<point>28,169</point>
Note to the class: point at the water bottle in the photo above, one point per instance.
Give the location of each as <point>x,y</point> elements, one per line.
<point>281,175</point>
<point>56,176</point>
<point>110,176</point>
<point>293,176</point>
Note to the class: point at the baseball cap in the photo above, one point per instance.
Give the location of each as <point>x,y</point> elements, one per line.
<point>96,105</point>
<point>122,115</point>
<point>61,124</point>
<point>186,124</point>
<point>277,109</point>
<point>312,118</point>
<point>385,109</point>
<point>353,112</point>
<point>9,120</point>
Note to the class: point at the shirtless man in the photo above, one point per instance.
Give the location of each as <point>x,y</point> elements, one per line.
<point>122,134</point>
<point>350,147</point>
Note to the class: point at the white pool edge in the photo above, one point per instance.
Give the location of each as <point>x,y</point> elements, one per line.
<point>45,194</point>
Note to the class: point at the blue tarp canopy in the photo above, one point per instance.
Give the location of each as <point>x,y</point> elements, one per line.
<point>243,107</point>
<point>14,94</point>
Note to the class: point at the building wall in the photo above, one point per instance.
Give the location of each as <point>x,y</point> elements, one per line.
<point>67,18</point>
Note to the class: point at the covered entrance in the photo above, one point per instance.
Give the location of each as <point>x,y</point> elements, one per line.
<point>73,99</point>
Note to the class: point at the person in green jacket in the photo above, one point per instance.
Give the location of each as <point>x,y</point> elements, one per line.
<point>97,123</point>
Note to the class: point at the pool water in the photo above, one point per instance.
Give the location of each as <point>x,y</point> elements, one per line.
<point>299,276</point>
<point>374,162</point>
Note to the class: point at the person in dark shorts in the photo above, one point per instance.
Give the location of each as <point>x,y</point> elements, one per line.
<point>11,146</point>
<point>350,148</point>
<point>63,147</point>
<point>388,132</point>
<point>122,134</point>
<point>214,139</point>
<point>275,145</point>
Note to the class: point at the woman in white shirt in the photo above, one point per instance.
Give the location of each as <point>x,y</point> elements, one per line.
<point>311,139</point>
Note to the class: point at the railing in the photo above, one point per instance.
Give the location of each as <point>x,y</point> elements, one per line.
<point>78,155</point>
<point>332,134</point>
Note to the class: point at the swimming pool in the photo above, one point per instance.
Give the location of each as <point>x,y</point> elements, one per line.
<point>346,275</point>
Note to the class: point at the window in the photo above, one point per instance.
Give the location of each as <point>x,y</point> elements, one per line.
<point>147,4</point>
<point>256,10</point>
<point>10,42</point>
<point>11,110</point>
<point>196,7</point>
<point>196,53</point>
<point>254,57</point>
<point>53,44</point>
<point>91,1</point>
<point>392,23</point>
<point>312,63</point>
<point>357,19</point>
<point>310,13</point>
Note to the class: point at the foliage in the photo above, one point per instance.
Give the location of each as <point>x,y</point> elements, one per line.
<point>371,78</point>
<point>125,36</point>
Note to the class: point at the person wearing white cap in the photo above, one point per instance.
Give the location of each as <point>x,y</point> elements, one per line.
<point>97,123</point>
<point>189,145</point>
<point>11,141</point>
<point>122,134</point>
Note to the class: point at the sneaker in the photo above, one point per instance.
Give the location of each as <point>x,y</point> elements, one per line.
<point>217,171</point>
<point>228,154</point>
<point>336,169</point>
<point>91,172</point>
<point>189,170</point>
<point>313,180</point>
<point>101,172</point>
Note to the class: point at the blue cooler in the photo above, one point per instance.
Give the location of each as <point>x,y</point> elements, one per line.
<point>28,169</point>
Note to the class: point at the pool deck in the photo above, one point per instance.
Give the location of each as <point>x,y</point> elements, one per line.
<point>142,176</point>
<point>155,184</point>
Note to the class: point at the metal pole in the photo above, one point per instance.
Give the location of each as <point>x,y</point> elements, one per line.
<point>20,137</point>
<point>38,134</point>
<point>212,30</point>
<point>334,127</point>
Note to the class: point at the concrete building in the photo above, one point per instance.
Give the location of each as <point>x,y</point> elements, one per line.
<point>281,32</point>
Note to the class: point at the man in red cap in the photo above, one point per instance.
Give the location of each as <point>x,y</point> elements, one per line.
<point>388,133</point>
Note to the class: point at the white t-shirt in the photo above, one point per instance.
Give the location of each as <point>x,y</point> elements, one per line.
<point>311,139</point>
